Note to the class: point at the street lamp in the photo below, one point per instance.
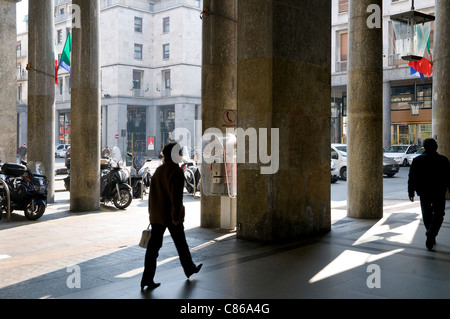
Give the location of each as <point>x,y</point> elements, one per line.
<point>415,105</point>
<point>412,32</point>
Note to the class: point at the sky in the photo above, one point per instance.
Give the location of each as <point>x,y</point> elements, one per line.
<point>21,12</point>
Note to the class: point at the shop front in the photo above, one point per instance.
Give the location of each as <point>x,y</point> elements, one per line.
<point>64,127</point>
<point>407,127</point>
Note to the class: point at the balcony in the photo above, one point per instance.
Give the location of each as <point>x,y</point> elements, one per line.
<point>22,76</point>
<point>137,92</point>
<point>22,53</point>
<point>341,66</point>
<point>396,60</point>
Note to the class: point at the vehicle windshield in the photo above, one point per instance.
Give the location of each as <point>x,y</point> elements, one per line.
<point>36,168</point>
<point>397,149</point>
<point>3,155</point>
<point>342,149</point>
<point>116,157</point>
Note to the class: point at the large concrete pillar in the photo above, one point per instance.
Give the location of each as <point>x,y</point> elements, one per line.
<point>219,68</point>
<point>365,110</point>
<point>41,89</point>
<point>284,83</point>
<point>85,109</point>
<point>8,81</point>
<point>441,79</point>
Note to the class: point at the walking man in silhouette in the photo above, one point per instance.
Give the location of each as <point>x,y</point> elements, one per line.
<point>429,177</point>
<point>166,209</point>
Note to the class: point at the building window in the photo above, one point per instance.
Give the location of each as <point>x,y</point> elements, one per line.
<point>166,51</point>
<point>166,25</point>
<point>197,3</point>
<point>138,51</point>
<point>343,6</point>
<point>136,130</point>
<point>151,7</point>
<point>59,36</point>
<point>137,24</point>
<point>137,83</point>
<point>60,81</point>
<point>19,92</point>
<point>402,95</point>
<point>341,65</point>
<point>167,86</point>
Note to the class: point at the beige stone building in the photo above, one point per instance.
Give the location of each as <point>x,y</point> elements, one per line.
<point>400,126</point>
<point>150,73</point>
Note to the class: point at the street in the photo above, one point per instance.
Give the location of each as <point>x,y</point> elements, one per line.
<point>394,188</point>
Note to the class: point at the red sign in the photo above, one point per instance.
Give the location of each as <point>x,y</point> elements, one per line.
<point>151,144</point>
<point>117,136</point>
<point>229,118</point>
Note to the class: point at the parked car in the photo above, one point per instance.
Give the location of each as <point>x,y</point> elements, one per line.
<point>67,158</point>
<point>390,166</point>
<point>401,152</point>
<point>339,157</point>
<point>334,173</point>
<point>412,156</point>
<point>60,150</point>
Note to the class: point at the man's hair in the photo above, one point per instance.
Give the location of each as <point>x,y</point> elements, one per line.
<point>171,152</point>
<point>430,145</point>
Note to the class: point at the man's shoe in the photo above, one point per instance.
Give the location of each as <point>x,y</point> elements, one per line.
<point>150,286</point>
<point>431,241</point>
<point>195,270</point>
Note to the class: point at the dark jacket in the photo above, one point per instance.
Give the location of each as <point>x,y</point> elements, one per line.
<point>429,175</point>
<point>166,195</point>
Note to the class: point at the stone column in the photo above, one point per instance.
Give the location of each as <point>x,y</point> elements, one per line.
<point>85,109</point>
<point>386,114</point>
<point>441,79</point>
<point>284,83</point>
<point>41,89</point>
<point>8,81</point>
<point>218,81</point>
<point>365,111</point>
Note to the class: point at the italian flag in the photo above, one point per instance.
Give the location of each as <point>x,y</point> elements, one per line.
<point>65,56</point>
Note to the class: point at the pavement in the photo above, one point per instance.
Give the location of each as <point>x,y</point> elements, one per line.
<point>95,255</point>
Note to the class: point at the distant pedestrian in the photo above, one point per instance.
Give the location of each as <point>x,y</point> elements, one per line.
<point>429,177</point>
<point>106,152</point>
<point>22,153</point>
<point>165,206</point>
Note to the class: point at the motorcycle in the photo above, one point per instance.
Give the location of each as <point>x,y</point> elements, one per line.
<point>192,177</point>
<point>139,177</point>
<point>23,187</point>
<point>113,181</point>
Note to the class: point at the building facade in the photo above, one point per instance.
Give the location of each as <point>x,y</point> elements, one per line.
<point>400,126</point>
<point>150,73</point>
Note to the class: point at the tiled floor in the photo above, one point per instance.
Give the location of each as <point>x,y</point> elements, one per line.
<point>95,256</point>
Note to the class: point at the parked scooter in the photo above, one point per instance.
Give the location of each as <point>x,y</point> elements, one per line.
<point>192,177</point>
<point>113,181</point>
<point>140,176</point>
<point>23,187</point>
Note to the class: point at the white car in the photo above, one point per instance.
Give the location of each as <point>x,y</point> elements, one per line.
<point>400,153</point>
<point>339,157</point>
<point>413,156</point>
<point>60,150</point>
<point>334,173</point>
